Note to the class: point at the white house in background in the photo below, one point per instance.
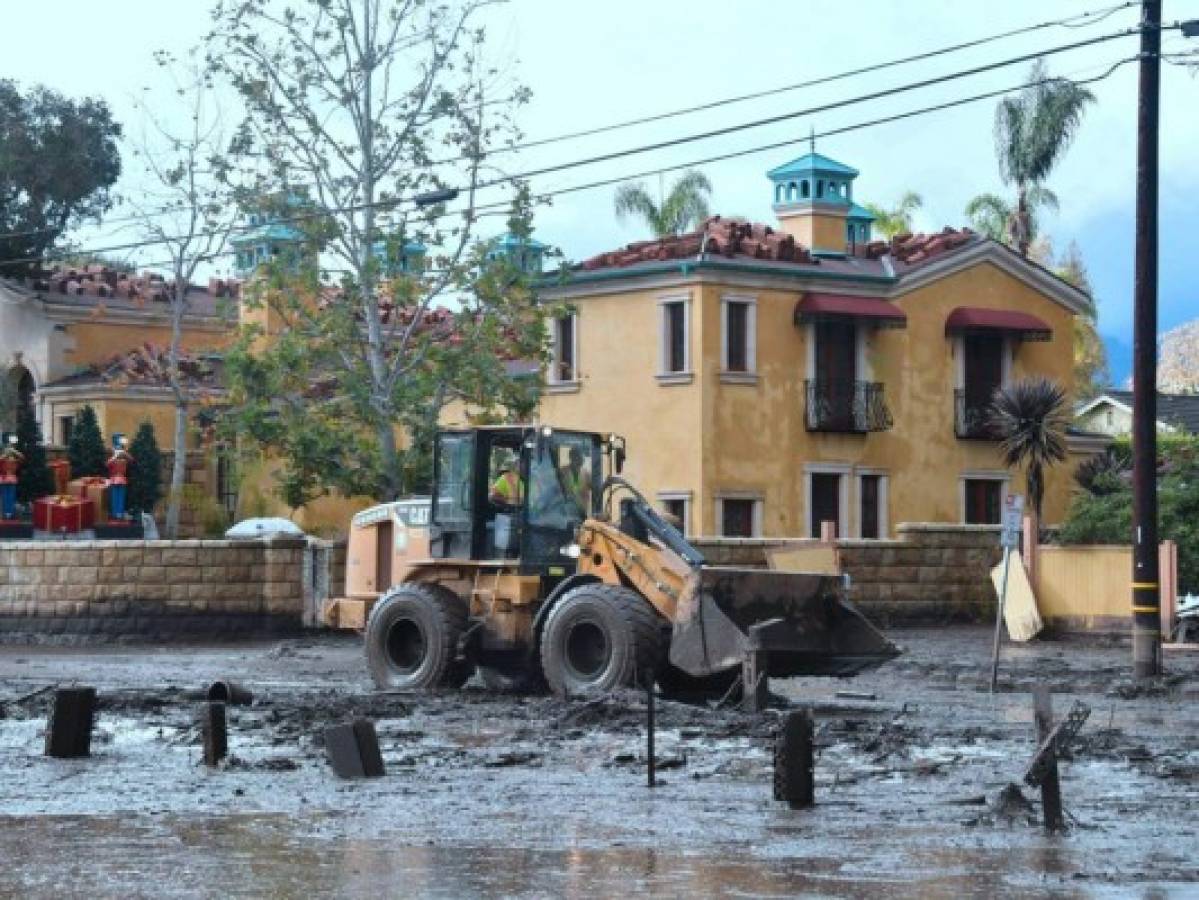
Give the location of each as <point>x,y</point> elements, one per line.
<point>1111,413</point>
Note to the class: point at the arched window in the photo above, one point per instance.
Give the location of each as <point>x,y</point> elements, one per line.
<point>819,188</point>
<point>778,193</point>
<point>805,190</point>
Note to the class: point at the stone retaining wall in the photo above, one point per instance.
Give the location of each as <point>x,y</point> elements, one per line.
<point>930,574</point>
<point>153,588</point>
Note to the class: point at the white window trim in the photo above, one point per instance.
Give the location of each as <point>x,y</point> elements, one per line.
<point>884,501</point>
<point>842,469</point>
<point>981,475</point>
<point>685,496</point>
<point>750,375</point>
<point>553,384</point>
<point>687,374</point>
<point>757,515</point>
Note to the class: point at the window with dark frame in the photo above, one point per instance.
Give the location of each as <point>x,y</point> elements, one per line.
<point>737,336</point>
<point>871,513</point>
<point>565,349</point>
<point>737,517</point>
<point>984,501</point>
<point>676,507</point>
<point>675,314</point>
<point>826,502</point>
<point>66,425</point>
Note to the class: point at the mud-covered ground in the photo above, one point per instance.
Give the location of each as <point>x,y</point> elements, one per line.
<point>530,796</point>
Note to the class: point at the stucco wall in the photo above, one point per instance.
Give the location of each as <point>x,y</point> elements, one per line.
<point>151,588</point>
<point>713,437</point>
<point>931,574</point>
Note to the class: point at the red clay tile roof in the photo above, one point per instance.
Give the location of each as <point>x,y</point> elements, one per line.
<point>726,237</point>
<point>100,286</point>
<point>739,238</point>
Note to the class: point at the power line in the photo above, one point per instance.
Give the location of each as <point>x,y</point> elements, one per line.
<point>500,205</point>
<point>1079,20</point>
<point>1067,22</point>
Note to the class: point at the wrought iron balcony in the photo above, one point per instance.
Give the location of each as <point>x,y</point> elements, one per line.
<point>848,407</point>
<point>972,418</point>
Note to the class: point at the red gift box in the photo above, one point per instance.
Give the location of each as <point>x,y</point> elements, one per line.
<point>61,470</point>
<point>63,513</point>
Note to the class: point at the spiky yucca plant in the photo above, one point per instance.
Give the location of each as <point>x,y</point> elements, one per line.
<point>1030,418</point>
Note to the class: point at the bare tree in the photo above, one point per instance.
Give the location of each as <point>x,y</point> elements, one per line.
<point>349,103</point>
<point>187,210</point>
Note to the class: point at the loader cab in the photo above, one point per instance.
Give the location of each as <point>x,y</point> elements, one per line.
<point>514,493</point>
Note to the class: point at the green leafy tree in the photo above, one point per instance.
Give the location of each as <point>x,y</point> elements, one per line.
<point>1091,372</point>
<point>1032,132</point>
<point>86,449</point>
<point>898,219</point>
<point>145,474</point>
<point>1101,513</point>
<point>58,160</point>
<point>683,208</point>
<point>34,479</point>
<point>353,99</point>
<point>1030,418</point>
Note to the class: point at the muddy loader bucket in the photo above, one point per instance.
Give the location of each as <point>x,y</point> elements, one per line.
<point>801,621</point>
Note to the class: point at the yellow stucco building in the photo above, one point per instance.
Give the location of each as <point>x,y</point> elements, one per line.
<point>770,379</point>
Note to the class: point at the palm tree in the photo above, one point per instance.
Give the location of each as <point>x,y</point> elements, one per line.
<point>1032,131</point>
<point>682,210</point>
<point>1030,419</point>
<point>890,222</point>
<point>991,215</point>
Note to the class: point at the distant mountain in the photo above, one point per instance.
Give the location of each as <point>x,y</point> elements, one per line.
<point>1178,360</point>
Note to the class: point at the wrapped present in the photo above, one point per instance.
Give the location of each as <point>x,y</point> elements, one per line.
<point>94,488</point>
<point>63,512</point>
<point>62,474</point>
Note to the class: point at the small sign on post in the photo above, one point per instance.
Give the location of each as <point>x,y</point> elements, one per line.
<point>1011,520</point>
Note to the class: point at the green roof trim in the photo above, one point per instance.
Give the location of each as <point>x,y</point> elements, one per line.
<point>687,266</point>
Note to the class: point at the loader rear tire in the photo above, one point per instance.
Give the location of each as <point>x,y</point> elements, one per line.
<point>599,637</point>
<point>412,639</point>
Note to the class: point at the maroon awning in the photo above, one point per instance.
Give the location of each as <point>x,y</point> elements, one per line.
<point>1021,324</point>
<point>813,307</point>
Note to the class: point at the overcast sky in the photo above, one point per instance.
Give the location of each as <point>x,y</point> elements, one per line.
<point>590,64</point>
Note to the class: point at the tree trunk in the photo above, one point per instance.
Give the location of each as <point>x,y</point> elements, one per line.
<point>1020,224</point>
<point>178,471</point>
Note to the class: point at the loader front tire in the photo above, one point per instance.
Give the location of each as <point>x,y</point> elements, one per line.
<point>412,639</point>
<point>599,637</point>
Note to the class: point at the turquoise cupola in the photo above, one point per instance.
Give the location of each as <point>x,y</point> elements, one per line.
<point>813,201</point>
<point>268,234</point>
<point>525,254</point>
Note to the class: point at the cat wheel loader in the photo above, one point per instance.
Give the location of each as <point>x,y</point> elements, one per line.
<point>531,566</point>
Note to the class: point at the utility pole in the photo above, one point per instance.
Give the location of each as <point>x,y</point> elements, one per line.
<point>1146,595</point>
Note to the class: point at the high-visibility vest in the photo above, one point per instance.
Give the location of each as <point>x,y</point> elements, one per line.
<point>508,484</point>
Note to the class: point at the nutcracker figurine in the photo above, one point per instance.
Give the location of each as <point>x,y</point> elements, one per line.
<point>118,481</point>
<point>10,464</point>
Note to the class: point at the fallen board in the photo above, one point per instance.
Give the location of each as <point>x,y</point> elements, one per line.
<point>1020,612</point>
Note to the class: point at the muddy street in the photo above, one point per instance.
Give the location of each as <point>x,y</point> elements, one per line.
<point>529,796</point>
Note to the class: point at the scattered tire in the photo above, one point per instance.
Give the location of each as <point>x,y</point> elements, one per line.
<point>678,685</point>
<point>412,638</point>
<point>502,681</point>
<point>793,761</point>
<point>599,637</point>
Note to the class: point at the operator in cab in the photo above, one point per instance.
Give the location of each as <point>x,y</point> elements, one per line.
<point>507,490</point>
<point>577,481</point>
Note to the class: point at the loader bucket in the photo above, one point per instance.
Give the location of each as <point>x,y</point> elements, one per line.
<point>801,621</point>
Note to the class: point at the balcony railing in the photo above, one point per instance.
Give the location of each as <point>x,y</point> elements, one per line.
<point>848,407</point>
<point>972,418</point>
